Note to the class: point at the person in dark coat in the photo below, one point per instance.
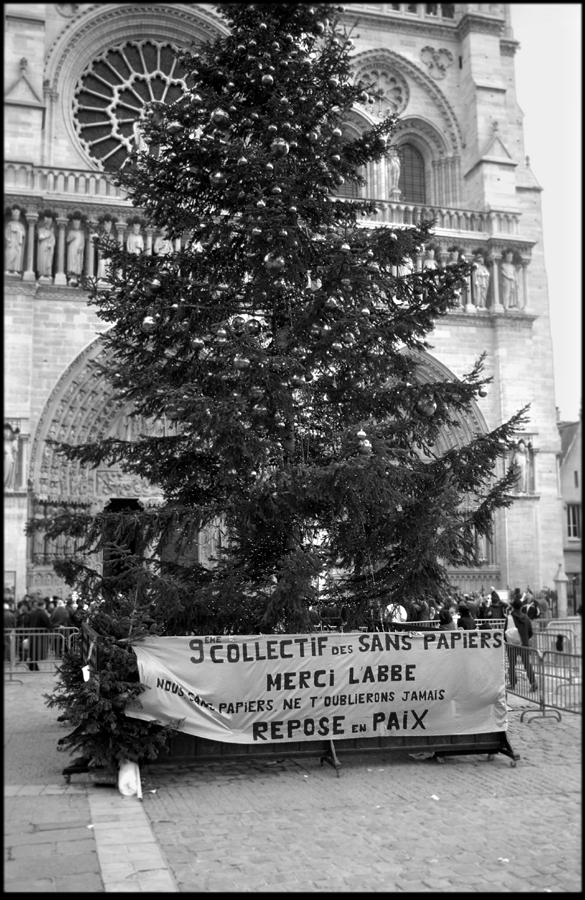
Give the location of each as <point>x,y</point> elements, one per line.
<point>446,620</point>
<point>517,651</point>
<point>466,620</point>
<point>9,625</point>
<point>60,618</point>
<point>39,643</point>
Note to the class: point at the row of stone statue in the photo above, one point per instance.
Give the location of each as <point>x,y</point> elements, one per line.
<point>75,242</point>
<point>480,277</point>
<point>15,234</point>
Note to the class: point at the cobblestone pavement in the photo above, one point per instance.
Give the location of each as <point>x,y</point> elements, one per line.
<point>388,823</point>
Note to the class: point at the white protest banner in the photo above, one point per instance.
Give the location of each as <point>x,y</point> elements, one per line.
<point>249,689</point>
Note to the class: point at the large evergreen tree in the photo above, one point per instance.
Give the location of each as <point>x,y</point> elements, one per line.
<point>287,351</point>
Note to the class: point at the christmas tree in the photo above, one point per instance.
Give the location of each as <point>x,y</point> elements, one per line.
<point>281,340</point>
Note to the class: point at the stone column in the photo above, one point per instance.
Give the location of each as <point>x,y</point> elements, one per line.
<point>60,277</point>
<point>29,272</point>
<point>470,306</point>
<point>525,293</point>
<point>494,259</point>
<point>89,261</point>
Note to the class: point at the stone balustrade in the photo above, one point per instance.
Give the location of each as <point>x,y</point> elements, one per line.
<point>54,183</point>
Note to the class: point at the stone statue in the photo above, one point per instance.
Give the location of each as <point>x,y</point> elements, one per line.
<point>481,280</point>
<point>406,267</point>
<point>430,262</point>
<point>393,174</point>
<point>163,246</point>
<point>10,451</point>
<point>520,460</point>
<point>15,234</point>
<point>75,251</point>
<point>509,282</point>
<point>103,273</point>
<point>135,241</point>
<point>138,133</point>
<point>46,248</point>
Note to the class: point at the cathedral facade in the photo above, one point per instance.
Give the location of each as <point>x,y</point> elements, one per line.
<point>77,77</point>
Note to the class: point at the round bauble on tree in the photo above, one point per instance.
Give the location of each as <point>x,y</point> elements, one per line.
<point>274,263</point>
<point>279,147</point>
<point>148,324</point>
<point>365,447</point>
<point>427,406</point>
<point>267,80</point>
<point>219,117</point>
<point>197,343</point>
<point>241,362</point>
<point>218,178</point>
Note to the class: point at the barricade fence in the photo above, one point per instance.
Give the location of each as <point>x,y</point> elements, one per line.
<point>29,650</point>
<point>550,679</point>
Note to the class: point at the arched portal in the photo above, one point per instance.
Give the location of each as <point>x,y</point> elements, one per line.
<point>83,408</point>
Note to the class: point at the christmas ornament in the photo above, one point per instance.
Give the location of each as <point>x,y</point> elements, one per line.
<point>260,204</point>
<point>238,324</point>
<point>218,178</point>
<point>256,392</point>
<point>427,407</point>
<point>274,263</point>
<point>197,343</point>
<point>482,392</point>
<point>173,127</point>
<point>242,161</point>
<point>219,117</point>
<point>241,362</point>
<point>148,324</point>
<point>196,99</point>
<point>365,447</point>
<point>279,147</point>
<point>267,80</point>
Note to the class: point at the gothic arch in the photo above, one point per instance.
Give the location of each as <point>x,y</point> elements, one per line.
<point>83,408</point>
<point>410,71</point>
<point>102,26</point>
<point>470,425</point>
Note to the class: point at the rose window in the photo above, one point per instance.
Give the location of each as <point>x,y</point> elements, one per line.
<point>113,90</point>
<point>394,88</point>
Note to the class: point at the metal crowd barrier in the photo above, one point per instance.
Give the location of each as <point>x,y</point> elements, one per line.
<point>558,678</point>
<point>30,650</point>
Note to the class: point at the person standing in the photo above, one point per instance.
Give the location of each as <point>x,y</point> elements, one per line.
<point>446,622</point>
<point>9,625</point>
<point>466,620</point>
<point>38,643</point>
<point>60,619</point>
<point>517,651</point>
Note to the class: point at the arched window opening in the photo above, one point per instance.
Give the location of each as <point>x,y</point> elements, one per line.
<point>412,175</point>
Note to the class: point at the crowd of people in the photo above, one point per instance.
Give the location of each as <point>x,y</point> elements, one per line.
<point>40,615</point>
